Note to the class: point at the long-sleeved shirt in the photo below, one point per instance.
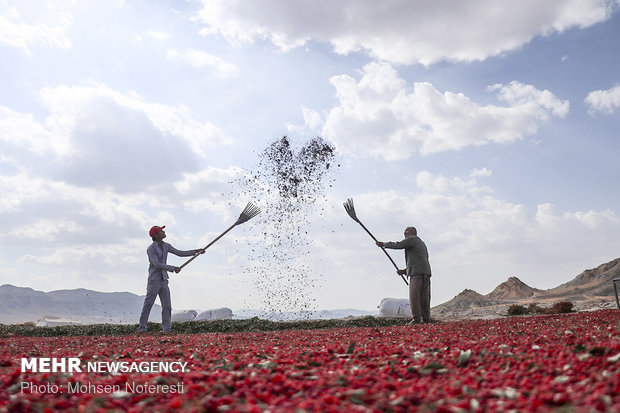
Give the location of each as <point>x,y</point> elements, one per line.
<point>158,256</point>
<point>416,254</point>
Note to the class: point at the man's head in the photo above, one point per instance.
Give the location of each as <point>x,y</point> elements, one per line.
<point>410,232</point>
<point>157,233</point>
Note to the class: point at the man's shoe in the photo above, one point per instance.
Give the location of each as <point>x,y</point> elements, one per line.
<point>414,322</point>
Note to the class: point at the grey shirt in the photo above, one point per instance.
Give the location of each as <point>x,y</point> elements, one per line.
<point>158,256</point>
<point>416,254</point>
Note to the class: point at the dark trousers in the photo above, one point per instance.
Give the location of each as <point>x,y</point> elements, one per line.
<point>420,297</point>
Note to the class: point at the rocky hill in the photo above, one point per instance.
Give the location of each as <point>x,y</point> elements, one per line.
<point>591,289</point>
<point>512,289</point>
<point>595,282</point>
<point>468,299</point>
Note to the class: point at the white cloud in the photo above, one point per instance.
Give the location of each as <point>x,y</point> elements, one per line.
<point>606,101</point>
<point>37,210</point>
<point>70,104</point>
<point>312,118</point>
<point>549,218</point>
<point>312,122</point>
<point>197,58</point>
<point>517,94</point>
<point>94,263</point>
<point>158,34</point>
<point>204,190</point>
<point>15,32</point>
<point>380,116</point>
<point>17,190</point>
<point>22,130</point>
<point>137,39</point>
<point>45,229</point>
<point>401,31</point>
<point>211,180</point>
<point>95,136</point>
<point>481,172</point>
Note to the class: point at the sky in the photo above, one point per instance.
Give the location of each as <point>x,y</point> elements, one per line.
<point>490,126</point>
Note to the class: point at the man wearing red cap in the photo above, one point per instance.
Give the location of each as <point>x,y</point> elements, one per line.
<point>158,277</point>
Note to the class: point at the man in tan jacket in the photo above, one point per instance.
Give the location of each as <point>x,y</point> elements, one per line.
<point>419,273</point>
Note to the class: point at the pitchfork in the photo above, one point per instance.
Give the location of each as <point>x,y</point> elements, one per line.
<point>348,206</point>
<point>248,213</point>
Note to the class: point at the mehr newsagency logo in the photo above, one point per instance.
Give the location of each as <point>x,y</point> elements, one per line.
<point>72,365</point>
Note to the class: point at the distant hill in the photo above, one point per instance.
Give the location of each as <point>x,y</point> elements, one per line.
<point>21,304</point>
<point>512,289</point>
<point>466,299</point>
<point>596,282</point>
<point>590,286</point>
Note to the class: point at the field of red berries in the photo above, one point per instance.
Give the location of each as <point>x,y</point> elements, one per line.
<point>568,362</point>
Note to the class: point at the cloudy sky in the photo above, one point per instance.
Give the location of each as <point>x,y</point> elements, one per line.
<point>491,126</point>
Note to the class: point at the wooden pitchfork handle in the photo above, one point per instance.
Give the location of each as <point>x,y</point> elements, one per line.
<point>383,249</point>
<point>211,243</point>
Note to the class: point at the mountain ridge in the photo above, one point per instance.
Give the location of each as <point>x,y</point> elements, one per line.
<point>589,286</point>
<point>80,305</point>
<point>23,304</point>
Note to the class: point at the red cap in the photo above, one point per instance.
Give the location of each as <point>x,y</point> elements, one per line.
<point>154,230</point>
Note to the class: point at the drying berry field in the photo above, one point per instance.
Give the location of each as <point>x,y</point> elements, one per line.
<point>564,363</point>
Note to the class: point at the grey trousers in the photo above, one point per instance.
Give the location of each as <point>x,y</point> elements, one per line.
<point>153,289</point>
<point>420,297</point>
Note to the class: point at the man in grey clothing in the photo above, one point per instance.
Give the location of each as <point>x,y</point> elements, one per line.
<point>157,283</point>
<point>419,273</point>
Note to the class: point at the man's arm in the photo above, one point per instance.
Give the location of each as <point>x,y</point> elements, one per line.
<point>393,245</point>
<point>399,245</point>
<point>183,253</point>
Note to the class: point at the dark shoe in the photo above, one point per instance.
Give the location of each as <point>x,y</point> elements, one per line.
<point>414,322</point>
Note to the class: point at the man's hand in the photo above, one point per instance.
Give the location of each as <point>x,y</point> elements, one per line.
<point>379,244</point>
<point>200,251</point>
<point>401,272</point>
<point>177,269</point>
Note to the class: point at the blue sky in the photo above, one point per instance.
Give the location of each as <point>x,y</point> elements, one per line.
<point>490,126</point>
